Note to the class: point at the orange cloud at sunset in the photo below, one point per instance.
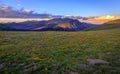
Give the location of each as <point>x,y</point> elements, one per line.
<point>107,17</point>
<point>100,19</point>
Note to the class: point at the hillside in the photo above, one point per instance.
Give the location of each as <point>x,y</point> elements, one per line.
<point>108,25</point>
<point>57,24</point>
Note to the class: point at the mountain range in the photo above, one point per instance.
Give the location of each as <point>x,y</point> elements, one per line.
<point>56,24</point>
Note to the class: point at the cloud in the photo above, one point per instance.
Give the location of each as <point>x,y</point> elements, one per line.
<point>107,17</point>
<point>10,12</point>
<point>6,8</point>
<point>100,19</point>
<point>19,3</point>
<point>28,11</point>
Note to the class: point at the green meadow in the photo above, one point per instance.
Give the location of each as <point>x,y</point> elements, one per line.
<point>52,52</point>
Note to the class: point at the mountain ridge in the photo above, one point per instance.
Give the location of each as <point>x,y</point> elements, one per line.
<point>114,24</point>
<point>56,24</point>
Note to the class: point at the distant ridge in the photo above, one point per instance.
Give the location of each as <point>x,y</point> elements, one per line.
<point>56,24</point>
<point>108,25</point>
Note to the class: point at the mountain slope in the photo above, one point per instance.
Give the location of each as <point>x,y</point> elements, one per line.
<point>108,25</point>
<point>57,24</point>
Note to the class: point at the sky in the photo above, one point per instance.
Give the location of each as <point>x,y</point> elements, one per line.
<point>68,7</point>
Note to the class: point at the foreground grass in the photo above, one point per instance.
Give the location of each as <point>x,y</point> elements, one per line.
<point>59,52</point>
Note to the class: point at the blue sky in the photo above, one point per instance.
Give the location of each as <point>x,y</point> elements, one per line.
<point>68,7</point>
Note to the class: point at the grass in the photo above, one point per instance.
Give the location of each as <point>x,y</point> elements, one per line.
<point>59,52</point>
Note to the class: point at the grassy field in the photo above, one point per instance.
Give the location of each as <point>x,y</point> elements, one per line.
<point>59,52</point>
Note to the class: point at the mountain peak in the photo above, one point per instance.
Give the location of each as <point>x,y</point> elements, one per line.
<point>56,24</point>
